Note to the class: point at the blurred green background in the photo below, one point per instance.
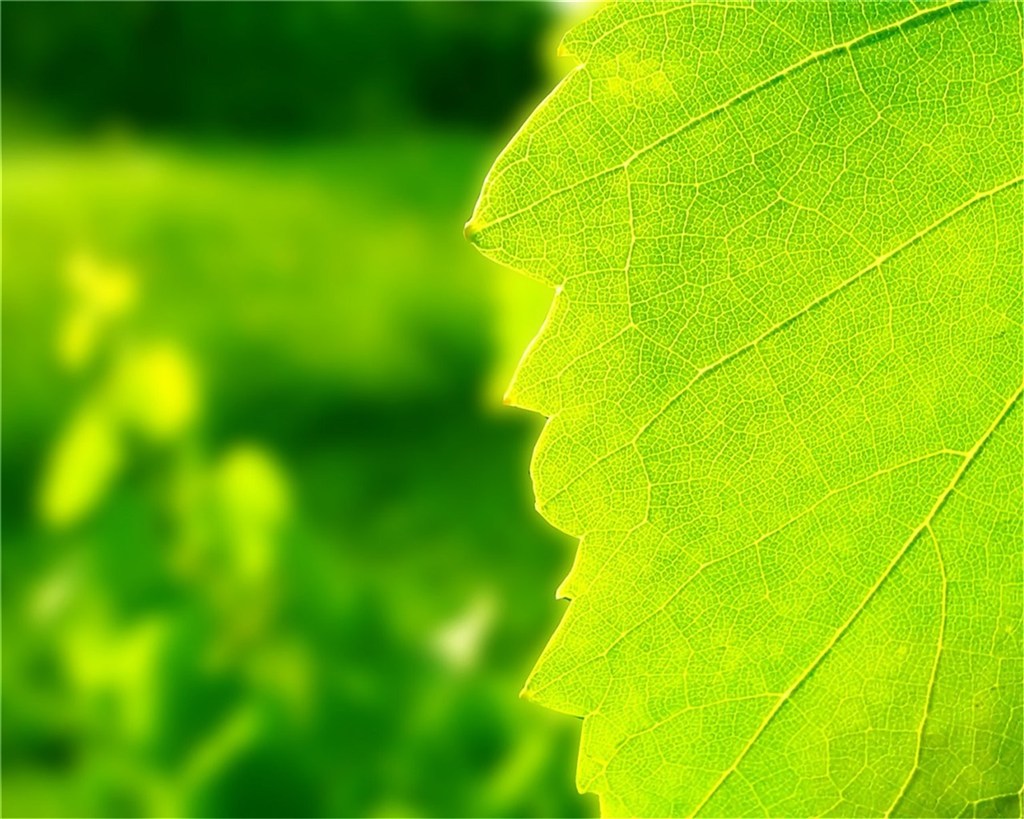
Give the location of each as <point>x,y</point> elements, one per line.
<point>268,538</point>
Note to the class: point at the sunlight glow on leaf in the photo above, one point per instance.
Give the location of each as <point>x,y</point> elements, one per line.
<point>782,372</point>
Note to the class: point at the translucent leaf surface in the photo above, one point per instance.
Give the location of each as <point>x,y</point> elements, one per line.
<point>783,373</point>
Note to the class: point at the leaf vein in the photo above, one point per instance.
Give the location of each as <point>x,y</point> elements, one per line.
<point>474,227</point>
<point>970,458</point>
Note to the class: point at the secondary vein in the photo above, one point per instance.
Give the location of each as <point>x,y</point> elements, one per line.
<point>970,458</point>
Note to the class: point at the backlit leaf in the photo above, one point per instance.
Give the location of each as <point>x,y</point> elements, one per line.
<point>783,374</point>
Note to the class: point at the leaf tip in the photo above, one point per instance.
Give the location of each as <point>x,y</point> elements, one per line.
<point>472,230</point>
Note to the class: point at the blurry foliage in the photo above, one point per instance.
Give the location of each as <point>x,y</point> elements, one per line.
<point>317,264</point>
<point>268,544</point>
<point>205,627</point>
<point>250,69</point>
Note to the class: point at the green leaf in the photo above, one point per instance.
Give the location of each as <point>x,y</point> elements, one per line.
<point>783,375</point>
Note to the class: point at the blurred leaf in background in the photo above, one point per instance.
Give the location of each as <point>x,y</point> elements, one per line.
<point>268,548</point>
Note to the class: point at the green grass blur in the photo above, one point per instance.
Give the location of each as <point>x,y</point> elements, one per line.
<point>268,539</point>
